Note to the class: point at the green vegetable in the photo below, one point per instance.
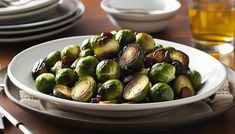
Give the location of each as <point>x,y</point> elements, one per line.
<point>196,79</point>
<point>161,92</point>
<point>146,41</point>
<point>86,66</point>
<point>125,37</point>
<point>52,58</point>
<point>64,76</point>
<point>62,91</point>
<point>45,82</point>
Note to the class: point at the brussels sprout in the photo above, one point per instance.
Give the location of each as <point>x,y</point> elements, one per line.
<point>64,76</point>
<point>62,91</point>
<point>161,92</point>
<point>58,65</point>
<point>45,83</point>
<point>52,58</point>
<point>69,54</point>
<point>74,64</point>
<point>131,58</point>
<point>182,87</point>
<point>196,79</point>
<point>169,49</point>
<point>137,90</point>
<point>86,52</point>
<point>84,89</point>
<point>86,44</point>
<point>162,72</point>
<point>106,46</point>
<point>180,56</point>
<point>107,69</point>
<point>39,68</point>
<point>125,37</point>
<point>146,41</point>
<point>159,55</point>
<point>86,66</point>
<point>111,90</point>
<point>143,71</point>
<point>93,40</point>
<point>180,68</point>
<point>158,46</point>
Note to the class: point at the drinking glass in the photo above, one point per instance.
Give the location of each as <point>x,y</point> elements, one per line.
<point>212,24</point>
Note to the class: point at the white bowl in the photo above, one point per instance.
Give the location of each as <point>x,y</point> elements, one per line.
<point>19,72</point>
<point>120,12</point>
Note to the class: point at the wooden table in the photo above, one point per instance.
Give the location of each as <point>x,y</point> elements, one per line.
<point>95,21</point>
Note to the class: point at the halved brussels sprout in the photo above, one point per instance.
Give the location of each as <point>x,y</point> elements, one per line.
<point>58,65</point>
<point>52,58</point>
<point>45,83</point>
<point>161,92</point>
<point>64,76</point>
<point>125,37</point>
<point>146,41</point>
<point>39,68</point>
<point>180,68</point>
<point>84,89</point>
<point>69,54</point>
<point>162,72</point>
<point>137,90</point>
<point>107,69</point>
<point>196,79</point>
<point>159,55</point>
<point>62,91</point>
<point>86,66</point>
<point>142,71</point>
<point>131,57</point>
<point>111,90</point>
<point>106,46</point>
<point>182,86</point>
<point>180,56</point>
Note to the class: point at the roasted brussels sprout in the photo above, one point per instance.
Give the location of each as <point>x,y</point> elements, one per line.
<point>86,52</point>
<point>125,37</point>
<point>52,58</point>
<point>106,46</point>
<point>62,91</point>
<point>93,40</point>
<point>58,65</point>
<point>39,68</point>
<point>182,87</point>
<point>111,90</point>
<point>74,64</point>
<point>159,55</point>
<point>86,66</point>
<point>180,56</point>
<point>69,54</point>
<point>86,44</point>
<point>45,83</point>
<point>162,72</point>
<point>196,79</point>
<point>107,69</point>
<point>161,92</point>
<point>137,90</point>
<point>142,71</point>
<point>169,49</point>
<point>146,41</point>
<point>84,89</point>
<point>131,57</point>
<point>180,68</point>
<point>64,76</point>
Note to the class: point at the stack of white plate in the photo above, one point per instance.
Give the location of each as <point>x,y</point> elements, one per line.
<point>36,19</point>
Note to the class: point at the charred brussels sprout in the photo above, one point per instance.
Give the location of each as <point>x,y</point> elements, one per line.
<point>162,72</point>
<point>180,68</point>
<point>58,65</point>
<point>86,66</point>
<point>45,83</point>
<point>52,58</point>
<point>84,89</point>
<point>183,87</point>
<point>106,46</point>
<point>62,91</point>
<point>131,57</point>
<point>69,54</point>
<point>161,92</point>
<point>107,69</point>
<point>39,68</point>
<point>142,71</point>
<point>137,90</point>
<point>111,90</point>
<point>146,41</point>
<point>64,76</point>
<point>93,40</point>
<point>196,79</point>
<point>180,56</point>
<point>125,37</point>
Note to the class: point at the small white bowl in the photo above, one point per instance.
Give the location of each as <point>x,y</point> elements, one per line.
<point>132,13</point>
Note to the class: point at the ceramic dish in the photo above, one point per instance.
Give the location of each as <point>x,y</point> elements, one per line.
<point>143,124</point>
<point>212,71</point>
<point>65,10</point>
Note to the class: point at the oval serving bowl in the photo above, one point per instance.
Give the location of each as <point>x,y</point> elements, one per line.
<point>19,71</point>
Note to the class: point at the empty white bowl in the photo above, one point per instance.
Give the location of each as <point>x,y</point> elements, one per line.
<point>141,15</point>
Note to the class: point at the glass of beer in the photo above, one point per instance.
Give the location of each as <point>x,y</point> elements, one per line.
<point>212,25</point>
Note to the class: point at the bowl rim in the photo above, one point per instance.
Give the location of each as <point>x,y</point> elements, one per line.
<point>110,10</point>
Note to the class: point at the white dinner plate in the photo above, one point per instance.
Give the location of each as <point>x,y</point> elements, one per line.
<point>143,124</point>
<point>212,71</point>
<point>64,10</point>
<point>74,17</point>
